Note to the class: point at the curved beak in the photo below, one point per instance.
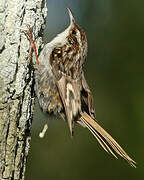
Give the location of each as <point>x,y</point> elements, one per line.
<point>70,16</point>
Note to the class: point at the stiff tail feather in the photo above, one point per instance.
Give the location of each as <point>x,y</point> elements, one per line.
<point>105,139</point>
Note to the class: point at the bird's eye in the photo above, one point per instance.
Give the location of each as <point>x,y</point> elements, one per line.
<point>73,31</point>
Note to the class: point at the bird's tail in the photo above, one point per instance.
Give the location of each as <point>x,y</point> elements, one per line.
<point>105,139</point>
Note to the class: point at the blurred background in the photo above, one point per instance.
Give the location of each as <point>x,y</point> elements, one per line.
<point>115,74</point>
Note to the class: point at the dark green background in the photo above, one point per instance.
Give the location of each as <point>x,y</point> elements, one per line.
<point>115,74</point>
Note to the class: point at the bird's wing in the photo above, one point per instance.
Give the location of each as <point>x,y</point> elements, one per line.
<point>87,103</point>
<point>76,101</point>
<point>69,92</point>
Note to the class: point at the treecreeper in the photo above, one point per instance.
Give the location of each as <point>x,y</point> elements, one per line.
<point>61,87</point>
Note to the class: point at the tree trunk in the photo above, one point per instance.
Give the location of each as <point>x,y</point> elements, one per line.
<point>16,82</point>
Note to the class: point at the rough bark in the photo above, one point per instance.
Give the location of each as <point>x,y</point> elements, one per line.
<point>16,82</point>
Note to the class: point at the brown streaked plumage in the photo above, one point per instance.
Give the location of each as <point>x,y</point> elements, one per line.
<point>62,88</point>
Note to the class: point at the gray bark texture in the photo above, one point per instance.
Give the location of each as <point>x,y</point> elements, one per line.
<point>16,82</point>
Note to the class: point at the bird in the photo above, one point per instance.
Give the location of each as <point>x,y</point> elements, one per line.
<point>61,87</point>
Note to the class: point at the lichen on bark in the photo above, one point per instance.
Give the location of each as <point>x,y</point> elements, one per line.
<point>17,82</point>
